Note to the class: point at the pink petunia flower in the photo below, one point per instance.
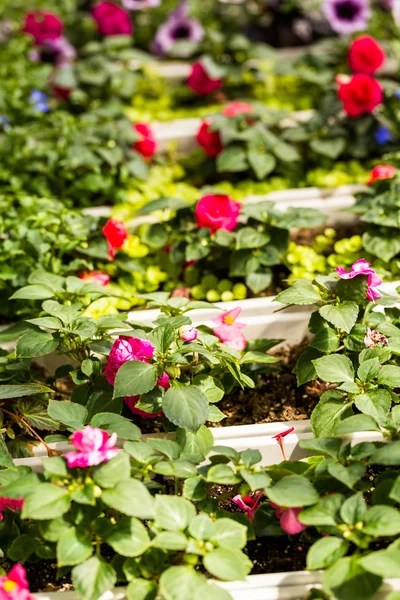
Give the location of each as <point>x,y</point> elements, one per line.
<point>96,277</point>
<point>362,267</point>
<point>288,519</point>
<point>94,446</point>
<point>123,350</point>
<point>11,503</point>
<point>248,504</point>
<point>14,586</point>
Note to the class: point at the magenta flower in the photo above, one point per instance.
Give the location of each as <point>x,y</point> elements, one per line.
<point>163,381</point>
<point>279,437</point>
<point>229,330</point>
<point>362,267</point>
<point>288,519</point>
<point>11,503</point>
<point>97,277</point>
<point>248,504</point>
<point>177,28</point>
<point>123,350</point>
<point>188,333</point>
<point>347,16</point>
<point>14,586</point>
<point>94,446</point>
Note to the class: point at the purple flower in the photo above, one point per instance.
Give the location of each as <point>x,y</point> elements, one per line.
<point>177,28</point>
<point>139,4</point>
<point>39,101</point>
<point>5,123</point>
<point>396,11</point>
<point>383,135</point>
<point>61,49</point>
<point>347,16</point>
<point>397,94</point>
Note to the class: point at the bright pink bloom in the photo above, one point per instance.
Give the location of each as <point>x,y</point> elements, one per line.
<point>288,519</point>
<point>362,267</point>
<point>382,172</point>
<point>237,108</point>
<point>112,19</point>
<point>366,55</point>
<point>201,82</point>
<point>94,446</point>
<point>217,211</point>
<point>11,503</point>
<point>209,140</point>
<point>278,437</point>
<point>123,350</point>
<point>163,381</point>
<point>228,328</point>
<point>115,234</point>
<point>96,277</point>
<point>360,94</point>
<point>248,503</point>
<point>147,145</point>
<point>14,586</point>
<point>188,333</point>
<point>42,26</point>
<point>239,343</point>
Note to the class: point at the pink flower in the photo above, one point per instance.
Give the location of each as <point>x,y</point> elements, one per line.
<point>209,140</point>
<point>94,446</point>
<point>248,503</point>
<point>147,144</point>
<point>188,333</point>
<point>237,108</point>
<point>217,211</point>
<point>228,328</point>
<point>362,267</point>
<point>239,343</point>
<point>201,82</point>
<point>288,519</point>
<point>11,503</point>
<point>123,350</point>
<point>96,277</point>
<point>115,234</point>
<point>14,586</point>
<point>382,172</point>
<point>360,94</point>
<point>279,437</point>
<point>112,19</point>
<point>42,26</point>
<point>163,381</point>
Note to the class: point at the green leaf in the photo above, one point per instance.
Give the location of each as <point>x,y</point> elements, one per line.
<point>248,237</point>
<point>33,292</point>
<point>229,534</point>
<point>35,343</point>
<point>201,527</point>
<point>384,247</point>
<point>173,513</point>
<point>324,513</point>
<point>222,474</point>
<point>353,509</point>
<point>375,403</point>
<point>242,263</point>
<point>113,423</point>
<point>389,375</point>
<point>304,367</point>
<point>93,578</point>
<point>329,412</point>
<point>134,378</point>
<point>212,388</point>
<point>74,547</point>
<point>227,564</point>
<point>326,340</point>
<point>334,368</point>
<point>21,548</point>
<point>130,497</point>
<point>357,423</point>
<point>169,448</point>
<point>128,537</point>
<point>388,454</point>
<point>47,501</point>
<point>186,407</point>
<point>258,358</point>
<point>162,337</point>
<point>108,474</point>
<point>353,290</point>
<point>196,444</point>
<point>141,589</point>
<point>382,520</point>
<point>211,591</point>
<point>36,415</point>
<point>23,389</point>
<point>232,160</point>
<point>68,413</point>
<point>261,163</point>
<point>326,551</point>
<point>179,583</point>
<point>170,540</point>
<point>343,315</point>
<point>293,491</point>
<point>258,282</point>
<point>368,370</point>
<point>326,447</point>
<point>385,563</point>
<point>55,465</point>
<point>350,475</point>
<point>302,292</point>
<point>347,580</point>
<point>332,148</point>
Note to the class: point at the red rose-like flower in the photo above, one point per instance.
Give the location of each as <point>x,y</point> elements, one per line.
<point>209,140</point>
<point>200,81</point>
<point>147,145</point>
<point>360,95</point>
<point>217,211</point>
<point>237,108</point>
<point>115,234</point>
<point>42,26</point>
<point>366,55</point>
<point>112,19</point>
<point>382,172</point>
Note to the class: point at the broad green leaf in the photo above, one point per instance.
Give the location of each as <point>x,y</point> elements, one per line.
<point>33,292</point>
<point>201,527</point>
<point>248,237</point>
<point>229,534</point>
<point>211,591</point>
<point>130,497</point>
<point>385,563</point>
<point>74,547</point>
<point>21,548</point>
<point>353,509</point>
<point>349,475</point>
<point>382,520</point>
<point>326,551</point>
<point>302,292</point>
<point>258,282</point>
<point>357,423</point>
<point>375,403</point>
<point>334,368</point>
<point>170,540</point>
<point>368,370</point>
<point>134,378</point>
<point>304,368</point>
<point>186,407</point>
<point>22,389</point>
<point>47,501</point>
<point>71,414</point>
<point>93,578</point>
<point>388,454</point>
<point>324,513</point>
<point>113,423</point>
<point>129,537</point>
<point>222,474</point>
<point>141,589</point>
<point>326,340</point>
<point>227,564</point>
<point>109,473</point>
<point>212,388</point>
<point>327,447</point>
<point>173,513</point>
<point>330,411</point>
<point>196,444</point>
<point>179,583</point>
<point>389,375</point>
<point>343,315</point>
<point>347,580</point>
<point>293,491</point>
<point>262,163</point>
<point>35,343</point>
<point>332,148</point>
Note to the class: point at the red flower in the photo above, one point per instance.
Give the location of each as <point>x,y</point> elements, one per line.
<point>382,172</point>
<point>147,145</point>
<point>209,140</point>
<point>96,277</point>
<point>112,19</point>
<point>237,108</point>
<point>42,26</point>
<point>200,82</point>
<point>115,234</point>
<point>365,55</point>
<point>217,211</point>
<point>360,94</point>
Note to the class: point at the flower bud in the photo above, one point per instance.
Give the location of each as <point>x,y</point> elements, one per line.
<point>188,333</point>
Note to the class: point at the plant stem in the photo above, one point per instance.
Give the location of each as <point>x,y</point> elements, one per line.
<point>50,451</point>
